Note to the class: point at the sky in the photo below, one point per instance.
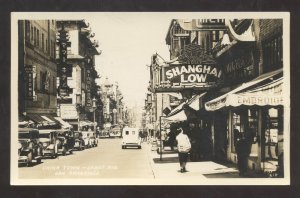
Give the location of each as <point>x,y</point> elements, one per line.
<point>127,42</point>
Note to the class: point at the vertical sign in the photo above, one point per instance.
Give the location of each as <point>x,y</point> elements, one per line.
<point>29,82</point>
<point>88,89</point>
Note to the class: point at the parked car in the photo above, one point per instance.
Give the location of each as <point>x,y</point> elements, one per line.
<point>104,134</point>
<point>131,138</point>
<point>93,139</point>
<point>79,142</point>
<point>86,139</point>
<point>48,140</point>
<point>115,132</point>
<point>65,141</point>
<point>29,148</point>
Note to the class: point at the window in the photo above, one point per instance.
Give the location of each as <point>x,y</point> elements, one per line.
<point>272,53</point>
<point>27,30</point>
<point>46,45</point>
<point>34,37</point>
<point>245,121</point>
<point>54,85</point>
<point>38,38</point>
<point>54,49</point>
<point>31,34</point>
<point>273,132</point>
<point>50,48</point>
<point>126,132</point>
<point>43,44</point>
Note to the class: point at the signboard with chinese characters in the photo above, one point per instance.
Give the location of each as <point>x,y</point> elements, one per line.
<point>29,82</point>
<point>88,88</point>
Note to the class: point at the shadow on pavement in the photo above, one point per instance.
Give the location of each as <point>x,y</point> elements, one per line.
<point>166,160</point>
<point>223,175</point>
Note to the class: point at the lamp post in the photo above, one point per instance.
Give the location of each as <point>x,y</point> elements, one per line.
<point>94,108</point>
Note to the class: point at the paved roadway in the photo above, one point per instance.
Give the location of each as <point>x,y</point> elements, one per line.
<point>107,160</point>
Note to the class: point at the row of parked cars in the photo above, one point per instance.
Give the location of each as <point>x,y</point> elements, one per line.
<point>36,144</point>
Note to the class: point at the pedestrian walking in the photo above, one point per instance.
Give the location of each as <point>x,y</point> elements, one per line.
<point>184,146</point>
<point>243,151</point>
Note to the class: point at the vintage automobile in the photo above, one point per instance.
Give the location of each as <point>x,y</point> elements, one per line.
<point>86,139</point>
<point>79,142</point>
<point>48,139</point>
<point>131,138</point>
<point>104,133</point>
<point>115,132</point>
<point>30,149</point>
<point>93,139</point>
<point>65,141</point>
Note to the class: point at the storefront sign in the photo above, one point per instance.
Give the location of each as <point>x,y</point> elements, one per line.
<point>68,111</point>
<point>185,76</point>
<point>210,24</point>
<point>88,89</point>
<point>260,100</point>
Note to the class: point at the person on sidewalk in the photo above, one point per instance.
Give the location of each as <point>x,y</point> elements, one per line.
<point>184,146</point>
<point>243,151</point>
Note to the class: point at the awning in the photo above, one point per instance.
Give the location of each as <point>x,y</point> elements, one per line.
<point>36,118</point>
<point>63,123</point>
<point>178,114</point>
<point>261,91</point>
<point>87,123</point>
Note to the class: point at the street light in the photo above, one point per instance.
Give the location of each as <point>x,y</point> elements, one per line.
<point>94,108</point>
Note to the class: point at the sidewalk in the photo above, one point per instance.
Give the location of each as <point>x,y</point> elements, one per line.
<point>168,167</point>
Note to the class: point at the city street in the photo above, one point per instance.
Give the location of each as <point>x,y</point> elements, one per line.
<point>108,160</point>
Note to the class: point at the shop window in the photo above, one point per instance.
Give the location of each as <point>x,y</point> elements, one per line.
<point>273,132</point>
<point>244,121</point>
<point>252,129</point>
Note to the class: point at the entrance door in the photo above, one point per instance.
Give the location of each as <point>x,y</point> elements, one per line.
<point>220,136</point>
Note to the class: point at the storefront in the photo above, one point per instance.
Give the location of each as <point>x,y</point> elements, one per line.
<point>254,108</point>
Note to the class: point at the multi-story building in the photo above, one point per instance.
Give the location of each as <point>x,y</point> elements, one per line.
<point>113,105</point>
<point>250,98</point>
<point>82,99</point>
<point>37,71</point>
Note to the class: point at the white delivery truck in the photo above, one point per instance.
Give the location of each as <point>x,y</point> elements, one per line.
<point>131,138</point>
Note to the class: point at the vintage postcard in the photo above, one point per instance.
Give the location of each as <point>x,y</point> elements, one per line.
<point>150,98</point>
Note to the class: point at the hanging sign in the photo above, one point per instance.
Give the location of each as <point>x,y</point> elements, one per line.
<point>178,77</point>
<point>29,82</point>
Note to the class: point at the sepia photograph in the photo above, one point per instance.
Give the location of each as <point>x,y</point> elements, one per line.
<point>150,98</point>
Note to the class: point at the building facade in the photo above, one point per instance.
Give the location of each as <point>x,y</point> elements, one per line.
<point>82,100</point>
<point>252,66</point>
<point>37,71</point>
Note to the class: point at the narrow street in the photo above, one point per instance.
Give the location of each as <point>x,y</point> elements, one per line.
<point>108,160</point>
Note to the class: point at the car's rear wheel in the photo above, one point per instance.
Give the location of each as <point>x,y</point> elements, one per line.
<point>29,157</point>
<point>64,151</point>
